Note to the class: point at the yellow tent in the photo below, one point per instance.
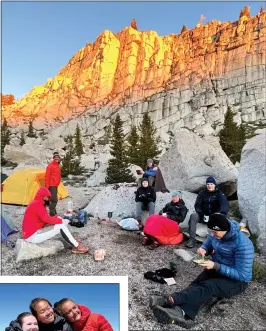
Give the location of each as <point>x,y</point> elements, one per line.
<point>21,187</point>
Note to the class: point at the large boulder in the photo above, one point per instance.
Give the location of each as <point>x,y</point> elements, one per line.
<point>251,189</point>
<point>27,251</point>
<point>121,202</point>
<point>191,159</point>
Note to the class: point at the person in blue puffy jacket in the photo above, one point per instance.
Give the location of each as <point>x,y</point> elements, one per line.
<point>150,173</point>
<point>227,273</point>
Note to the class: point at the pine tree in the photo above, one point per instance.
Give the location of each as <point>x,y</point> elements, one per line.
<point>117,170</point>
<point>148,142</point>
<point>232,137</point>
<point>71,161</point>
<point>184,28</point>
<point>78,142</point>
<point>22,139</point>
<point>31,133</point>
<point>5,135</point>
<point>133,146</point>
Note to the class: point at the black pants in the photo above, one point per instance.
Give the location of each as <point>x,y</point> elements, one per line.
<point>207,285</point>
<point>53,200</point>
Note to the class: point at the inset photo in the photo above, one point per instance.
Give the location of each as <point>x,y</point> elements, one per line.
<point>63,304</point>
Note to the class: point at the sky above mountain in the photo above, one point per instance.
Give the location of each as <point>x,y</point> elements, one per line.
<point>39,38</point>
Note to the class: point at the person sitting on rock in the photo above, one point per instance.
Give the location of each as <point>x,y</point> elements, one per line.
<point>149,173</point>
<point>176,209</point>
<point>80,317</point>
<point>227,273</point>
<point>210,200</point>
<point>163,229</point>
<point>47,319</point>
<point>145,198</point>
<point>39,226</point>
<point>24,322</point>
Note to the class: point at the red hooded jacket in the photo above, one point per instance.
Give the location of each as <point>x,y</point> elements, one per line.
<point>97,323</point>
<point>53,174</point>
<point>36,215</point>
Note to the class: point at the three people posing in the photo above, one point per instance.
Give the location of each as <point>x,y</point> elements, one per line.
<point>65,316</point>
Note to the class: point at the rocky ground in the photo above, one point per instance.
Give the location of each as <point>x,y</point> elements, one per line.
<point>126,256</point>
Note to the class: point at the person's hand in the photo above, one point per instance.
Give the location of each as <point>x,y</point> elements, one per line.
<point>207,265</point>
<point>141,171</point>
<point>164,214</point>
<point>201,251</point>
<point>155,168</point>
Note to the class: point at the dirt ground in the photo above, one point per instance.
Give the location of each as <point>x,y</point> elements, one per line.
<point>126,256</point>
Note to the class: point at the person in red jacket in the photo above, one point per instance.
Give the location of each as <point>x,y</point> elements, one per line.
<point>52,181</point>
<point>38,225</point>
<point>80,317</point>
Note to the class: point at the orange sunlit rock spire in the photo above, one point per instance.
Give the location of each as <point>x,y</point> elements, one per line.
<point>132,65</point>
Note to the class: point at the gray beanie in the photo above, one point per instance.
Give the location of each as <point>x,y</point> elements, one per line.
<point>150,160</point>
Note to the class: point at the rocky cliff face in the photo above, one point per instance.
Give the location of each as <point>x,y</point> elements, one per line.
<point>184,80</point>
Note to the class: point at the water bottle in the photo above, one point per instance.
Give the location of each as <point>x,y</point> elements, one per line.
<point>70,205</point>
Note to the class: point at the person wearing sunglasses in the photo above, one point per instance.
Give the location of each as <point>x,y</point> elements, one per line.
<point>38,226</point>
<point>227,273</point>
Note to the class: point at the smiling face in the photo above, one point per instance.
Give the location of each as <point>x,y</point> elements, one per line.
<point>145,183</point>
<point>45,313</point>
<point>217,234</point>
<point>29,323</point>
<point>71,311</point>
<point>210,187</point>
<point>175,199</point>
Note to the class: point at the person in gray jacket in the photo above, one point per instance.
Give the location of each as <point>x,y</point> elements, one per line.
<point>42,309</point>
<point>24,322</point>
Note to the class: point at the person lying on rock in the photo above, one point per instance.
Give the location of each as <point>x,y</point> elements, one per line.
<point>150,173</point>
<point>145,199</point>
<point>47,319</point>
<point>80,317</point>
<point>39,226</point>
<point>163,229</point>
<point>24,322</point>
<point>210,200</point>
<point>227,273</point>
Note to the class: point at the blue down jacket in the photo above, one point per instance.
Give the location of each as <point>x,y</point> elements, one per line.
<point>234,252</point>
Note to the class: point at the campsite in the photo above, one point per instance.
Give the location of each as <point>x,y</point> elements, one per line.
<point>126,256</point>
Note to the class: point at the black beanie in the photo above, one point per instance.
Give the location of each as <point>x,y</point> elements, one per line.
<point>218,222</point>
<point>211,180</point>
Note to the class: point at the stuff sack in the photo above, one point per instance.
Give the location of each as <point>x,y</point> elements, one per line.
<point>129,224</point>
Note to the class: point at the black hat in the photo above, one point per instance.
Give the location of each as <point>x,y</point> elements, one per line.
<point>218,222</point>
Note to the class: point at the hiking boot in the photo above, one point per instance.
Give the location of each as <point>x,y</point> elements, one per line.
<point>154,245</point>
<point>80,249</point>
<point>145,241</point>
<point>191,243</point>
<point>160,300</point>
<point>172,316</point>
